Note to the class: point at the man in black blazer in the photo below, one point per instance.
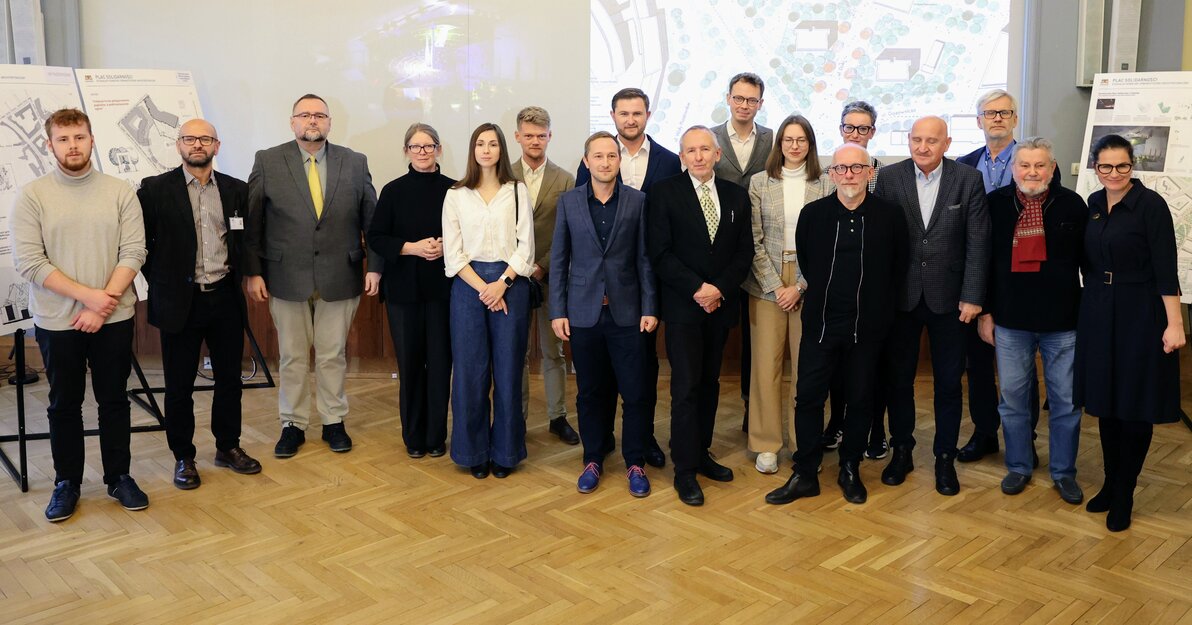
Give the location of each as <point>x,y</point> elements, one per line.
<point>948,223</point>
<point>603,301</point>
<point>701,247</point>
<point>194,221</point>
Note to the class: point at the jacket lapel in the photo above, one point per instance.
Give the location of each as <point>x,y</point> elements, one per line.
<point>947,181</point>
<point>727,152</point>
<point>550,177</point>
<point>334,165</point>
<point>186,215</point>
<point>761,149</point>
<point>584,216</point>
<point>294,160</point>
<point>618,220</point>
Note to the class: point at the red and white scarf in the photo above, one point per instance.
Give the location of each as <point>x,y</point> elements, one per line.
<point>1030,245</point>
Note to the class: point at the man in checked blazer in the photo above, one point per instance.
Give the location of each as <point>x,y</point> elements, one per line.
<point>948,223</point>
<point>310,203</point>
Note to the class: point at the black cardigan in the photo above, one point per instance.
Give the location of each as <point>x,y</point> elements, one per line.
<point>883,263</point>
<point>409,209</point>
<point>1049,300</point>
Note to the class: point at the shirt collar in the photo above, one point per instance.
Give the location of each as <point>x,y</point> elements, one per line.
<point>190,178</point>
<point>612,198</point>
<point>645,149</point>
<point>1006,153</point>
<point>929,178</point>
<point>319,156</point>
<point>526,169</point>
<point>696,183</point>
<point>752,133</point>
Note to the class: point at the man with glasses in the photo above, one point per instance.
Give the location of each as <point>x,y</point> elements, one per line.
<point>310,203</point>
<point>194,222</point>
<point>545,182</point>
<point>852,248</point>
<point>748,147</point>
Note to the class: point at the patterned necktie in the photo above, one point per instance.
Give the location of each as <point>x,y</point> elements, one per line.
<point>316,187</point>
<point>710,214</point>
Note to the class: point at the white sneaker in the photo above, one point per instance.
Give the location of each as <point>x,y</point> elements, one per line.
<point>767,462</point>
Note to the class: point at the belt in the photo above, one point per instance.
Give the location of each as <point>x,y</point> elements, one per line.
<point>214,286</point>
<point>1127,277</point>
<point>788,256</point>
<point>604,301</point>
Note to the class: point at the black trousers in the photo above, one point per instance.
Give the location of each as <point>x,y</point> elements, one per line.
<point>820,363</point>
<point>946,334</point>
<point>215,318</point>
<point>67,354</point>
<point>422,342</point>
<point>651,379</point>
<point>609,358</point>
<point>694,351</point>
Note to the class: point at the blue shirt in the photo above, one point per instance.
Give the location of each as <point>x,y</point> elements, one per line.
<point>603,214</point>
<point>928,186</point>
<point>996,171</point>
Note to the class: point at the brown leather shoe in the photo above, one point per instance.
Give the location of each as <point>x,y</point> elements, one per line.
<point>186,475</point>
<point>238,461</point>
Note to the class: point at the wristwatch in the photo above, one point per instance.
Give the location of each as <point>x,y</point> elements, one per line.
<point>507,280</point>
<point>800,289</point>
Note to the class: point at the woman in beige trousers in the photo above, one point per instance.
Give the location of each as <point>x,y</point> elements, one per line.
<point>793,178</point>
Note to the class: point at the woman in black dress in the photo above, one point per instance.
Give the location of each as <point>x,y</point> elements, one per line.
<point>1127,371</point>
<point>407,231</point>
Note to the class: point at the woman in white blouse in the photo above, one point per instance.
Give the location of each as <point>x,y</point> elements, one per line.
<point>793,178</point>
<point>488,247</point>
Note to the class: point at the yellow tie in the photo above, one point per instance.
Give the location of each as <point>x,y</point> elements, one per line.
<point>316,188</point>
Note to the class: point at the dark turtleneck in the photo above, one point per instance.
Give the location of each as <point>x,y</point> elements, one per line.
<point>410,208</point>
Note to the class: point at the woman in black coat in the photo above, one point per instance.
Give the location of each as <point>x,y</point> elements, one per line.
<point>1127,371</point>
<point>407,231</point>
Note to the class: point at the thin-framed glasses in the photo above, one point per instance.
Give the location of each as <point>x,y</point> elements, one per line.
<point>422,149</point>
<point>841,170</point>
<point>319,117</point>
<point>1121,168</point>
<point>787,141</point>
<point>861,130</point>
<point>204,140</point>
<point>1001,114</point>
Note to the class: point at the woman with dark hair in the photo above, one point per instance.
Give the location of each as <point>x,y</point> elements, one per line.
<point>793,178</point>
<point>1127,370</point>
<point>488,247</point>
<point>407,231</point>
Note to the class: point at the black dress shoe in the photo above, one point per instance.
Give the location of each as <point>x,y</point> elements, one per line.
<point>291,439</point>
<point>979,446</point>
<point>797,487</point>
<point>500,471</point>
<point>688,490</point>
<point>438,452</point>
<point>901,464</point>
<point>713,470</point>
<point>415,453</point>
<point>337,437</point>
<point>559,427</point>
<point>654,455</point>
<point>186,475</point>
<point>480,471</point>
<point>237,460</point>
<point>850,482</point>
<point>946,482</point>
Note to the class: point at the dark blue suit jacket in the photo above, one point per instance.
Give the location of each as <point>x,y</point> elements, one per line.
<point>973,158</point>
<point>582,272</point>
<point>662,164</point>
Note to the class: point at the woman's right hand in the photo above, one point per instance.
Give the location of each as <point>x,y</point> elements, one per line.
<point>788,297</point>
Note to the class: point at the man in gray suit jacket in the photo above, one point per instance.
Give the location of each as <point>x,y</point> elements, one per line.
<point>948,222</point>
<point>310,203</point>
<point>746,146</point>
<point>545,181</point>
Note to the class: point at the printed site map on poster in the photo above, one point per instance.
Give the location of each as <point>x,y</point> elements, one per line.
<point>1152,110</point>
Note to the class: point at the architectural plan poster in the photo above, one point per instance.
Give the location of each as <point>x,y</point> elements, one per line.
<point>1153,110</point>
<point>28,95</point>
<point>135,114</point>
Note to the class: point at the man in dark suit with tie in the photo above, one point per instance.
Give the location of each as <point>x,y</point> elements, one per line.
<point>310,203</point>
<point>603,301</point>
<point>643,162</point>
<point>194,220</point>
<point>701,247</point>
<point>948,222</point>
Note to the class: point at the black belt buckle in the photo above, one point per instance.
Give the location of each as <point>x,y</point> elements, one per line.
<point>207,288</point>
<point>1108,277</point>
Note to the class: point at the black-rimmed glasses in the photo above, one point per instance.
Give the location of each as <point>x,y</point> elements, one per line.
<point>841,170</point>
<point>191,140</point>
<point>1121,168</point>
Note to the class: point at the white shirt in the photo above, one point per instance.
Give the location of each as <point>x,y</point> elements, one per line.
<point>743,148</point>
<point>633,168</point>
<point>928,186</point>
<point>794,192</point>
<point>533,180</point>
<point>475,231</point>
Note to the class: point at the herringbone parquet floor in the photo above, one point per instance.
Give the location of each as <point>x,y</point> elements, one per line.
<point>375,537</point>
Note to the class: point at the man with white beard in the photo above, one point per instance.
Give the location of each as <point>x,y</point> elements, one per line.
<point>852,249</point>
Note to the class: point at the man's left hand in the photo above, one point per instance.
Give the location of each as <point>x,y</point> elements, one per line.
<point>968,311</point>
<point>372,283</point>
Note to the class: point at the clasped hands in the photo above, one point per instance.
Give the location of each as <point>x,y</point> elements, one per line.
<point>430,248</point>
<point>99,305</point>
<point>708,297</point>
<point>493,296</point>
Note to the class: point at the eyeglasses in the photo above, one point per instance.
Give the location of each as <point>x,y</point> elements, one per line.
<point>1121,168</point>
<point>319,117</point>
<point>841,170</point>
<point>861,130</point>
<point>422,149</point>
<point>787,141</point>
<point>1002,114</point>
<point>740,99</point>
<point>203,140</point>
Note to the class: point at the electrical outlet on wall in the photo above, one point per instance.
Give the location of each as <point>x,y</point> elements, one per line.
<point>1075,169</point>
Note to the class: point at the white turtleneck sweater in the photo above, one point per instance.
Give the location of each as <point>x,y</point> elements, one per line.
<point>794,189</point>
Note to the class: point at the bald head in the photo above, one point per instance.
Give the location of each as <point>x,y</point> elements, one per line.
<point>928,141</point>
<point>197,128</point>
<point>197,143</point>
<point>852,153</point>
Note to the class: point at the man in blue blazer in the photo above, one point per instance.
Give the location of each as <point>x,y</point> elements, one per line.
<point>602,300</point>
<point>643,162</point>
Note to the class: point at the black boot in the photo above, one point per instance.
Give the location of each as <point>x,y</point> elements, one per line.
<point>850,482</point>
<point>1136,441</point>
<point>1110,431</point>
<point>901,464</point>
<point>798,486</point>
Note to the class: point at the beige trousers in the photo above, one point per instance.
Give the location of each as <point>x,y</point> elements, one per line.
<point>554,364</point>
<point>323,325</point>
<point>772,332</point>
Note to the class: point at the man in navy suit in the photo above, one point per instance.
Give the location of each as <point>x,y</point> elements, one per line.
<point>948,222</point>
<point>602,300</point>
<point>701,247</point>
<point>643,162</point>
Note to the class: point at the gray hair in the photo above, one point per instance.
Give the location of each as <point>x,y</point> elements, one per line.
<point>990,96</point>
<point>1035,143</point>
<point>859,106</point>
<point>715,141</point>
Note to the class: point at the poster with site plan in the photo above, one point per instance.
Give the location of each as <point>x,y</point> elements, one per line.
<point>28,95</point>
<point>1153,111</point>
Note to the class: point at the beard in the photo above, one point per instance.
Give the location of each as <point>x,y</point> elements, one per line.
<point>313,135</point>
<point>202,159</point>
<point>84,164</point>
<point>1032,189</point>
<point>850,193</point>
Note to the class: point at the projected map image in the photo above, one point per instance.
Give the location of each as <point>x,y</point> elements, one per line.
<point>908,58</point>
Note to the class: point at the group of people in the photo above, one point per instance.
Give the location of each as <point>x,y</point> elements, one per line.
<point>839,266</point>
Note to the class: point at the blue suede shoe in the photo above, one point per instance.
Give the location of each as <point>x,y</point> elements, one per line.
<point>589,479</point>
<point>639,484</point>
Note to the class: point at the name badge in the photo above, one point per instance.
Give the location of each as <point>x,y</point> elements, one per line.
<point>236,223</point>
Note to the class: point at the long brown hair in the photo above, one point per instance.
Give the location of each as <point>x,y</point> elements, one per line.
<point>471,177</point>
<point>777,158</point>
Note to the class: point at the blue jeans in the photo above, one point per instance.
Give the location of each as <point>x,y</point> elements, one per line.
<point>488,348</point>
<point>1015,364</point>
